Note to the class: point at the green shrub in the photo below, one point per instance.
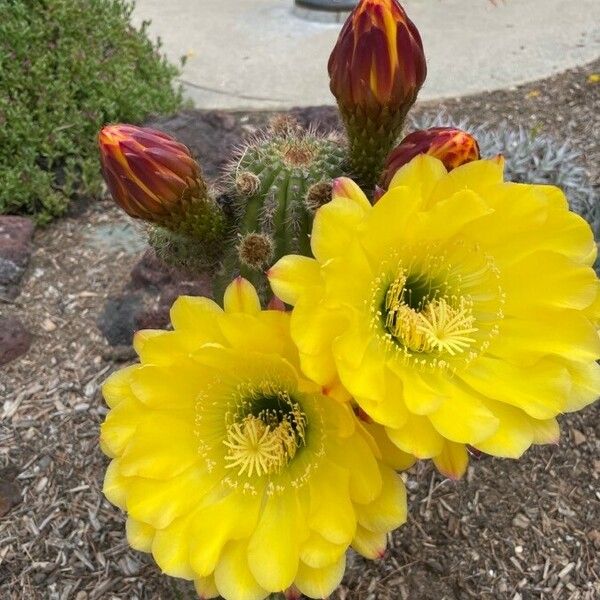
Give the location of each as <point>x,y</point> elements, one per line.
<point>66,68</point>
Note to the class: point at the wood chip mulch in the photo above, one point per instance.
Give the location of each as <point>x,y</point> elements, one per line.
<point>511,530</point>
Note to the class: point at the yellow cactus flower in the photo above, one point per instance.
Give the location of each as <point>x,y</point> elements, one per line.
<point>458,310</point>
<point>234,469</point>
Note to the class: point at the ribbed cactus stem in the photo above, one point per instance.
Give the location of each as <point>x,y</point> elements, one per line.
<point>371,137</point>
<point>268,189</point>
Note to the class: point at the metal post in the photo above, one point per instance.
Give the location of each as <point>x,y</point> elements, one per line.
<point>327,5</point>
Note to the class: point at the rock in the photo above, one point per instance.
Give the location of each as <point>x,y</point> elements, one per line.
<point>578,437</point>
<point>15,251</point>
<point>14,339</point>
<point>118,319</point>
<point>146,301</point>
<point>48,325</point>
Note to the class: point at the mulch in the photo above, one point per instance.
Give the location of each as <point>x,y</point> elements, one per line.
<point>515,530</point>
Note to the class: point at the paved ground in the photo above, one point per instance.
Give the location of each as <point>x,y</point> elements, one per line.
<point>246,54</point>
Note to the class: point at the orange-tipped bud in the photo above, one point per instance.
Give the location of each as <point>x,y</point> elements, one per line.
<point>378,60</point>
<point>150,175</point>
<point>453,147</point>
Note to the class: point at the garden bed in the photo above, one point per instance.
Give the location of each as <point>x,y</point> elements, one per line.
<point>509,530</point>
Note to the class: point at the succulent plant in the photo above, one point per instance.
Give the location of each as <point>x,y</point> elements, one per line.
<point>273,187</point>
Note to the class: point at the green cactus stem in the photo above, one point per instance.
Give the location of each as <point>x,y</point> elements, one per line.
<point>371,136</point>
<point>271,187</point>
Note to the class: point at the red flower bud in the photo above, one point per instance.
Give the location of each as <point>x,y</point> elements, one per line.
<point>378,60</point>
<point>453,147</point>
<point>150,175</point>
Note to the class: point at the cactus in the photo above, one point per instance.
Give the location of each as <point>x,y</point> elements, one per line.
<point>273,187</point>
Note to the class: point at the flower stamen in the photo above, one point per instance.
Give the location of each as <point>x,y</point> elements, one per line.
<point>263,444</point>
<point>434,324</point>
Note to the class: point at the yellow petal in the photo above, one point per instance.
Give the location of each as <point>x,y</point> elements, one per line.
<point>525,222</point>
<point>319,583</point>
<point>343,290</point>
<point>117,385</point>
<point>514,434</point>
<point>115,485</point>
<point>391,455</point>
<point>171,548</point>
<point>540,390</point>
<point>334,227</point>
<point>368,379</point>
<point>171,346</point>
<point>417,437</point>
<point>139,535</point>
<point>449,216</point>
<point>365,474</point>
<point>159,502</point>
<point>387,511</point>
<point>463,417</point>
<point>344,187</point>
<point>421,394</point>
<point>152,452</point>
<point>549,279</point>
<point>233,577</point>
<point>421,174</point>
<point>314,327</point>
<point>274,548</point>
<point>545,432</point>
<point>292,275</point>
<point>167,388</point>
<point>453,460</point>
<point>251,334</point>
<point>197,314</point>
<point>478,176</point>
<point>119,426</point>
<point>338,418</point>
<point>386,225</point>
<point>142,336</point>
<point>331,512</point>
<point>240,296</point>
<point>529,339</point>
<point>369,544</point>
<point>585,389</point>
<point>206,588</point>
<point>317,552</point>
<point>230,518</point>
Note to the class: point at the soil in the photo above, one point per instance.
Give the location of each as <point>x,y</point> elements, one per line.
<point>514,530</point>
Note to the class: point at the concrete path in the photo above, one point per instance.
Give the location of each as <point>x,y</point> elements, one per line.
<point>245,54</point>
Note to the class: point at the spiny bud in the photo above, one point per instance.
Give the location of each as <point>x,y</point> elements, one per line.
<point>149,174</point>
<point>256,250</point>
<point>317,195</point>
<point>454,147</point>
<point>378,59</point>
<point>247,184</point>
<point>376,69</point>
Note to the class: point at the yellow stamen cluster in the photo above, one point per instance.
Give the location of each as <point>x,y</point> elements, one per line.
<point>436,325</point>
<point>265,443</point>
